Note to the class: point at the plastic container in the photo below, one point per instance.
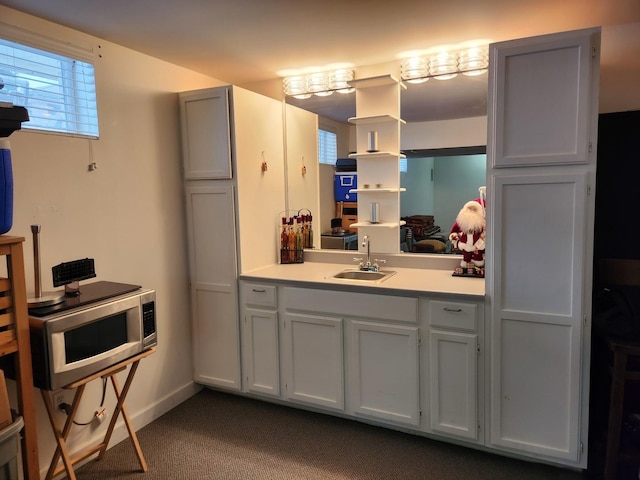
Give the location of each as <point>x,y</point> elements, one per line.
<point>9,438</point>
<point>6,187</point>
<point>343,182</point>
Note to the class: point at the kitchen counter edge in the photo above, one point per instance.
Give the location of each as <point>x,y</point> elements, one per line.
<point>406,281</point>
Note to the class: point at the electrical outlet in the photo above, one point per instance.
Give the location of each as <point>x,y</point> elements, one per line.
<point>58,399</point>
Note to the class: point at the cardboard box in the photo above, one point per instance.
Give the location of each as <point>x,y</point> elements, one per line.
<point>5,409</point>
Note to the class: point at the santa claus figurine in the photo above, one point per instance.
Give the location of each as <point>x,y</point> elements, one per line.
<point>468,237</point>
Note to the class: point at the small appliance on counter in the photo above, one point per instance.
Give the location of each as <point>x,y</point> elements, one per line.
<point>104,324</point>
<point>82,330</point>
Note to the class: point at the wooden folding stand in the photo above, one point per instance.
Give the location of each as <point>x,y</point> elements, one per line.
<point>61,435</point>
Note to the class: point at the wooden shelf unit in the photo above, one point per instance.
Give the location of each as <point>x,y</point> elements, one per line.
<point>14,340</point>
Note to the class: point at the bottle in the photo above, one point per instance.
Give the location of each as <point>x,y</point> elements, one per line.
<point>310,241</point>
<point>299,240</point>
<point>284,242</point>
<point>291,242</point>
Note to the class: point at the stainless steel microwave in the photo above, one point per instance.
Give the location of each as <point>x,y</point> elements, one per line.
<point>72,344</point>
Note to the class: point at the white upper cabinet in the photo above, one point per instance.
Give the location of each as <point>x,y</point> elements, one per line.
<point>206,147</point>
<point>532,78</point>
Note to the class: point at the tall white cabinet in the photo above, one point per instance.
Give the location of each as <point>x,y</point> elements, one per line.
<point>233,159</point>
<point>543,106</point>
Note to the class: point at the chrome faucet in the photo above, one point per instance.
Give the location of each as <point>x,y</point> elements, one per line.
<point>366,243</point>
<point>367,266</point>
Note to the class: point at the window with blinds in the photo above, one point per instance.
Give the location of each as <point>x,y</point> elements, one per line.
<point>327,147</point>
<point>58,91</point>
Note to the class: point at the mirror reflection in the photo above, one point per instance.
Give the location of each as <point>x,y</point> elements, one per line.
<point>443,168</point>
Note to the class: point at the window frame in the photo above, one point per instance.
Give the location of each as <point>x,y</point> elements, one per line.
<point>77,103</point>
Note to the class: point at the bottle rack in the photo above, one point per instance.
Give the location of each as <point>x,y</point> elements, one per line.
<point>295,233</point>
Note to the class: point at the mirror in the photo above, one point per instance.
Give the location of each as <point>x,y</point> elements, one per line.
<point>444,141</point>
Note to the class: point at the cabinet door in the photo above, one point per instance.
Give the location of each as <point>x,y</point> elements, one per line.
<point>537,313</point>
<point>453,389</point>
<point>214,294</point>
<point>383,365</point>
<point>314,351</point>
<point>541,99</point>
<point>206,141</point>
<point>261,351</point>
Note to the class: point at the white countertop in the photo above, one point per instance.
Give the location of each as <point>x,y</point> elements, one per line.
<point>406,280</point>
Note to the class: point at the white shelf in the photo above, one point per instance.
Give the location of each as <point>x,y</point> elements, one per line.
<point>375,119</point>
<point>373,155</point>
<point>377,190</point>
<point>378,225</point>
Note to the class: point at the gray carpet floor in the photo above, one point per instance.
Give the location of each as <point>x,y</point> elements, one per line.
<point>215,436</point>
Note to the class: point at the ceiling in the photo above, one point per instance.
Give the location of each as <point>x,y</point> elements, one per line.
<point>253,43</point>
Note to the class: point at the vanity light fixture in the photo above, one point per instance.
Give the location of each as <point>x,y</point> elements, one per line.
<point>296,87</point>
<point>321,84</point>
<point>473,61</point>
<point>414,70</point>
<point>339,81</point>
<point>318,84</point>
<point>444,65</point>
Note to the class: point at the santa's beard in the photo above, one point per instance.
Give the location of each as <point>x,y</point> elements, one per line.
<point>471,219</point>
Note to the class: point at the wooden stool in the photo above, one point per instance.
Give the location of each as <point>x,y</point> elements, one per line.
<point>621,373</point>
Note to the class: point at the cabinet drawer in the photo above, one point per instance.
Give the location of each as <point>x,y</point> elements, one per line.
<point>260,295</point>
<point>364,305</point>
<point>457,315</point>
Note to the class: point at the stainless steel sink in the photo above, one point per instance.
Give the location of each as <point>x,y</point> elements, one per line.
<point>364,275</point>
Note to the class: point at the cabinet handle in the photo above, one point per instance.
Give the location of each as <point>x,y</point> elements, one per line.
<point>258,291</point>
<point>456,310</point>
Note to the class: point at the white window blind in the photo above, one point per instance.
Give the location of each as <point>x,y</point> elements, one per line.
<point>327,147</point>
<point>58,91</point>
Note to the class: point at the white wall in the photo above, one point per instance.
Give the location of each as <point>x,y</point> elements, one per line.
<point>461,132</point>
<point>128,214</point>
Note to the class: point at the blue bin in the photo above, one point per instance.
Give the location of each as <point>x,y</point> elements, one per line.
<point>6,187</point>
<point>343,182</point>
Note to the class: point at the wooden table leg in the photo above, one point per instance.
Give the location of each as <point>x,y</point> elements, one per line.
<point>120,407</point>
<point>615,414</point>
<point>61,436</point>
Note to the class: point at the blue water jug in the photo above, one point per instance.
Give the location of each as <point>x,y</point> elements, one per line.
<point>6,187</point>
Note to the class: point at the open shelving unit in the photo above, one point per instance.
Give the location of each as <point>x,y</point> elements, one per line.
<point>378,110</point>
<point>14,340</point>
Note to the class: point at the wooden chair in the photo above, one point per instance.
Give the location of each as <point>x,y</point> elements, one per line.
<point>624,367</point>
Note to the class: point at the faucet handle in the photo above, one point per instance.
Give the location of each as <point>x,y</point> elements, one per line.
<point>380,260</point>
<point>358,259</point>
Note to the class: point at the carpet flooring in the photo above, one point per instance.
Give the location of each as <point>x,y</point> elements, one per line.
<point>218,436</point>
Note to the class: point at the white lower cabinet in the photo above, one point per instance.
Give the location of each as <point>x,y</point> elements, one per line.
<point>453,398</point>
<point>313,348</point>
<point>383,371</point>
<point>453,368</point>
<point>260,339</point>
<point>407,362</point>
